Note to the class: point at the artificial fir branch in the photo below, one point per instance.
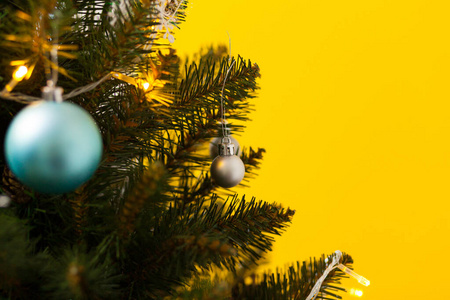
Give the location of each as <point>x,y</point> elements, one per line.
<point>201,90</point>
<point>197,189</point>
<point>14,189</point>
<point>252,159</point>
<point>294,283</point>
<point>125,39</point>
<point>19,266</point>
<point>199,235</point>
<point>102,46</point>
<point>147,186</point>
<point>204,82</point>
<point>203,185</point>
<point>82,274</point>
<point>79,207</point>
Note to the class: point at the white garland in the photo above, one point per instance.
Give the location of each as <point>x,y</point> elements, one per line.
<point>166,10</point>
<point>167,18</point>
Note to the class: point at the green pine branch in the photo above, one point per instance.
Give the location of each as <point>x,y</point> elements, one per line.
<point>73,273</point>
<point>19,266</point>
<point>197,114</point>
<point>181,239</point>
<point>82,274</point>
<point>199,187</point>
<point>295,283</point>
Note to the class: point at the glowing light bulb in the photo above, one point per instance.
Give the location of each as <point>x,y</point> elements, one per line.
<point>146,85</point>
<point>123,77</point>
<point>20,73</point>
<point>356,293</point>
<point>355,275</point>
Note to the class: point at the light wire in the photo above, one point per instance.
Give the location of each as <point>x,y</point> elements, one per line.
<point>316,289</point>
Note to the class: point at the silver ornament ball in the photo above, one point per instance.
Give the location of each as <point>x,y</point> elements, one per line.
<point>227,170</point>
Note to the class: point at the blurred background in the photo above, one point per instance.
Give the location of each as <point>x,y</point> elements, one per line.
<point>354,112</point>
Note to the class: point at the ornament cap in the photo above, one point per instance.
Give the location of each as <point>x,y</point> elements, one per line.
<point>226,147</point>
<point>52,93</point>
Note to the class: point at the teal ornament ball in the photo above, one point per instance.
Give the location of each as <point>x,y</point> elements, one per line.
<point>53,147</point>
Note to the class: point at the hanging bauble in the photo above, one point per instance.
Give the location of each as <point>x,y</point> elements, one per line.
<point>227,169</point>
<point>214,150</point>
<point>53,147</point>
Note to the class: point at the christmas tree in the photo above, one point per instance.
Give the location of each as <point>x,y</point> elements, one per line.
<point>146,220</point>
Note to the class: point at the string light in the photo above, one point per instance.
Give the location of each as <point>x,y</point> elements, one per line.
<point>336,264</point>
<point>136,82</point>
<point>5,93</point>
<point>146,86</point>
<point>54,49</point>
<point>124,78</point>
<point>352,273</point>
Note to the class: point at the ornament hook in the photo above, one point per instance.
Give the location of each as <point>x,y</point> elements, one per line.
<point>226,148</point>
<point>52,93</point>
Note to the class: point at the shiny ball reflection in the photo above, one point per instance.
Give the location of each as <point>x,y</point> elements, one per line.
<point>227,170</point>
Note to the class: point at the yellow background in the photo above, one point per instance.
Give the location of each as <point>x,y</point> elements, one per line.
<point>354,113</point>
